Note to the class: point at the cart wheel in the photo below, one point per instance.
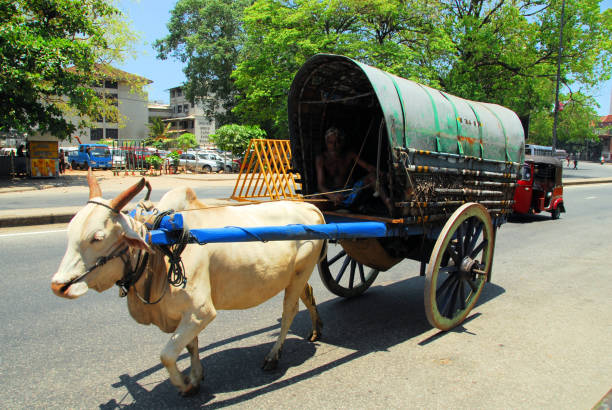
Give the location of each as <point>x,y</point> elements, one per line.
<point>459,266</point>
<point>344,276</point>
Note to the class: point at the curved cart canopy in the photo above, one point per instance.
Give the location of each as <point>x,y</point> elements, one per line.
<point>331,90</point>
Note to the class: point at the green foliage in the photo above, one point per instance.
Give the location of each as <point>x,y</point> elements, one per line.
<point>186,141</point>
<point>246,53</point>
<point>50,56</point>
<point>575,123</point>
<point>155,161</point>
<point>174,155</point>
<point>206,35</point>
<point>282,35</point>
<point>158,128</point>
<point>506,52</point>
<point>235,138</point>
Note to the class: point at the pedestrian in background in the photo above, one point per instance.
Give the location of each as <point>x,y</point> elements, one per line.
<point>62,162</point>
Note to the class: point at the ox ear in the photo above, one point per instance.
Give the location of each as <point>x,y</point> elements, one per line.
<point>133,238</point>
<point>126,196</point>
<point>94,188</point>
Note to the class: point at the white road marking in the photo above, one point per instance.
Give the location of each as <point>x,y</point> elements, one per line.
<point>591,197</point>
<point>31,233</point>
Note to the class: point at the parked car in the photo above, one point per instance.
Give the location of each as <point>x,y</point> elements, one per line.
<point>118,157</point>
<point>200,162</point>
<point>226,160</point>
<point>91,155</point>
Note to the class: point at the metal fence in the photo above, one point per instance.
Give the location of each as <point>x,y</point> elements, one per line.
<point>129,156</point>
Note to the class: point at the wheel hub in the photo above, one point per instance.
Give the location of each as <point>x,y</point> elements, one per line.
<point>467,264</point>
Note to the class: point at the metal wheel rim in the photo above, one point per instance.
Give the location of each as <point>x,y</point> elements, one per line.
<point>455,279</point>
<point>344,276</point>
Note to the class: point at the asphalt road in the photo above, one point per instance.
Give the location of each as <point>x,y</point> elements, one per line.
<point>539,337</point>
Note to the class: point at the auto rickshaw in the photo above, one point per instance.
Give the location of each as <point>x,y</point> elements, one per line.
<point>539,187</point>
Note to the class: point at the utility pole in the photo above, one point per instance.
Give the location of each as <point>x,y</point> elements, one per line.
<point>556,120</point>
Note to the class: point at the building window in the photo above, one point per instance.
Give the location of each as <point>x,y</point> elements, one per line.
<point>113,98</point>
<point>186,107</point>
<point>112,133</point>
<point>179,92</point>
<point>96,134</point>
<point>191,124</point>
<point>171,93</point>
<point>179,108</point>
<point>110,84</point>
<point>191,105</point>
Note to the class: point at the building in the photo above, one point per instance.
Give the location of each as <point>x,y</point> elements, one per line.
<point>188,117</point>
<point>132,105</point>
<point>604,129</point>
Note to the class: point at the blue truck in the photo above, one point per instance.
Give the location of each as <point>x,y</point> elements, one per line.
<point>96,156</point>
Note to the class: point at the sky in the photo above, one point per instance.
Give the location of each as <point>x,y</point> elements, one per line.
<point>149,18</point>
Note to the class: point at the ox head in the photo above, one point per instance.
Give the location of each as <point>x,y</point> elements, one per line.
<point>98,233</point>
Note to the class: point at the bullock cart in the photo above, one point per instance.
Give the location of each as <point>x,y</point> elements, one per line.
<point>448,167</point>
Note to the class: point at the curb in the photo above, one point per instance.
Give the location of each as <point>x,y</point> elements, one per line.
<point>37,216</point>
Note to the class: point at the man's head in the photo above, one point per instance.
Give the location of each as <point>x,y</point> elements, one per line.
<point>334,140</point>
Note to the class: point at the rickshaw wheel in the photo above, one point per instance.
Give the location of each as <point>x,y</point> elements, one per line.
<point>344,276</point>
<point>459,266</point>
<point>555,213</point>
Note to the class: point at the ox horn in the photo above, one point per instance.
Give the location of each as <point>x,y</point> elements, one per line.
<point>126,196</point>
<point>94,188</point>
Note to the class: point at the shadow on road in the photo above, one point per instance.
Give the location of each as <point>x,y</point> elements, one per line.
<point>386,315</point>
<point>527,219</point>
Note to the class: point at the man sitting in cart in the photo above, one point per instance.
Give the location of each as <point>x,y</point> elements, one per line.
<point>335,168</point>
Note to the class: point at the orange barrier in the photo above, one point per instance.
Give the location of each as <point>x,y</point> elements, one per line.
<point>265,172</point>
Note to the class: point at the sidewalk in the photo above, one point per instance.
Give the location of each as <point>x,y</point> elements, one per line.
<point>77,180</point>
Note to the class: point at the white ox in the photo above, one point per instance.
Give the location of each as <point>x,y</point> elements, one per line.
<point>219,276</point>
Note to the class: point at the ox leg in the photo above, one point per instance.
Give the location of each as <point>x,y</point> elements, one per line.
<point>290,308</point>
<point>197,371</point>
<point>190,326</point>
<point>308,299</point>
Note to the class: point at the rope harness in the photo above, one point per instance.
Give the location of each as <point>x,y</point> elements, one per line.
<point>176,271</point>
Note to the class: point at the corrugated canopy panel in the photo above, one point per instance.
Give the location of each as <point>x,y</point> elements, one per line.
<point>415,116</point>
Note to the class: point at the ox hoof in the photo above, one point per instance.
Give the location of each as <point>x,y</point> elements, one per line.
<point>270,364</point>
<point>191,390</point>
<point>314,336</point>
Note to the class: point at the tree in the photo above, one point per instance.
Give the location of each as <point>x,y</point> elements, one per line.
<point>576,122</point>
<point>282,34</point>
<point>51,53</point>
<point>235,138</point>
<point>186,141</point>
<point>506,52</point>
<point>206,35</point>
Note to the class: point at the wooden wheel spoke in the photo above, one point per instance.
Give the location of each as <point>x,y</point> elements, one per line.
<point>477,233</point>
<point>453,300</point>
<point>335,258</point>
<point>469,232</point>
<point>448,270</point>
<point>346,262</point>
<point>479,248</point>
<point>361,274</point>
<point>472,285</point>
<point>352,274</point>
<point>462,294</point>
<point>333,273</point>
<point>446,284</point>
<point>454,255</point>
